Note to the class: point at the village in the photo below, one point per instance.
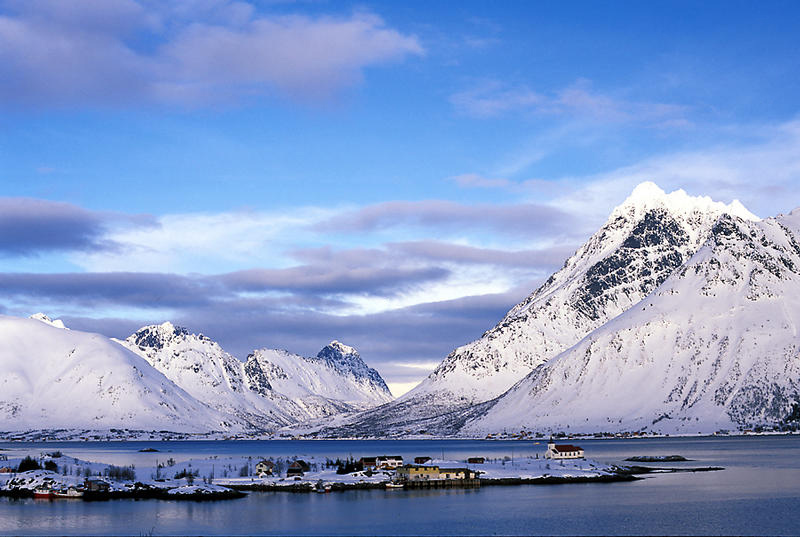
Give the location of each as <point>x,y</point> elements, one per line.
<point>58,476</point>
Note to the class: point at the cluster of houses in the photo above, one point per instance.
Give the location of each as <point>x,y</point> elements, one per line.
<point>421,469</point>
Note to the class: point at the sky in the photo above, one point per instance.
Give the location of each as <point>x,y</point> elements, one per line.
<point>393,175</point>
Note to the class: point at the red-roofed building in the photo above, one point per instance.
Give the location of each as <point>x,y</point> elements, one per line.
<point>563,451</point>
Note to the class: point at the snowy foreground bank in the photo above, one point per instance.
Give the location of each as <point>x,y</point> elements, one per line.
<point>225,477</point>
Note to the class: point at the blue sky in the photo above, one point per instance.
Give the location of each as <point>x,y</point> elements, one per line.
<point>393,175</point>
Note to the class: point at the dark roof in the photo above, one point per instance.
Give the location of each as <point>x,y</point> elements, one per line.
<point>384,457</point>
<point>567,447</point>
<point>268,463</point>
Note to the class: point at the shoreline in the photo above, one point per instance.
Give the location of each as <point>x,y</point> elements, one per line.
<point>47,437</point>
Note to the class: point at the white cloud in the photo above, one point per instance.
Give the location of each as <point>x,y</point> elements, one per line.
<point>763,174</point>
<point>204,243</point>
<point>92,52</point>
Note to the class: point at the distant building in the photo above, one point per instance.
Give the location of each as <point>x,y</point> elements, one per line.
<point>421,460</point>
<point>95,485</point>
<point>6,470</point>
<point>390,462</point>
<point>368,462</point>
<point>265,468</point>
<point>457,473</point>
<point>563,451</point>
<point>297,468</point>
<point>417,473</point>
<point>433,473</point>
<point>476,460</point>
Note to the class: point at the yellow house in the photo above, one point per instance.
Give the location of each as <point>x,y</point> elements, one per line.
<point>457,473</point>
<point>418,473</point>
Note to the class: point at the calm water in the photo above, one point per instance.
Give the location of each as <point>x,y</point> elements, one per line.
<point>757,494</point>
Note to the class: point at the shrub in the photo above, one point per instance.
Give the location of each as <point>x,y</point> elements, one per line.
<point>51,465</point>
<point>28,464</point>
<point>120,473</point>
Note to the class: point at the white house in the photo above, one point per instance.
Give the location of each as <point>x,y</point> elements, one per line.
<point>265,468</point>
<point>389,461</point>
<point>563,451</point>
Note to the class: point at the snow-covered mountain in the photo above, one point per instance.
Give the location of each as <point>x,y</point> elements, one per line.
<point>58,323</point>
<point>273,388</point>
<point>336,380</point>
<point>644,240</point>
<point>717,346</point>
<point>203,368</point>
<point>51,377</point>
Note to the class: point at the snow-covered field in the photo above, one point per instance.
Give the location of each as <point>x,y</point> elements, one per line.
<point>213,474</point>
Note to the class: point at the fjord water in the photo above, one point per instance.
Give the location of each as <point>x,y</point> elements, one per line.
<point>758,493</point>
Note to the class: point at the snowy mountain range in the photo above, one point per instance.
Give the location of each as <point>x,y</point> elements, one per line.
<point>647,242</point>
<point>164,378</point>
<point>680,315</point>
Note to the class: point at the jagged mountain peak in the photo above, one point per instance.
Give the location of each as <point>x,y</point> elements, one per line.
<point>157,336</point>
<point>58,323</point>
<point>341,347</point>
<point>648,196</point>
<point>347,360</point>
<point>340,354</point>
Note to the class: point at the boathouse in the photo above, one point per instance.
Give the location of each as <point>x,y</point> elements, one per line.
<point>95,485</point>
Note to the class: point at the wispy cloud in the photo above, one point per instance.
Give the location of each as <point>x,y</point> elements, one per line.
<point>493,99</point>
<point>519,219</point>
<point>34,226</point>
<point>122,51</point>
<point>474,180</point>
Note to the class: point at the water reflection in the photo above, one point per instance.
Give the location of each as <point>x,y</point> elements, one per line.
<point>758,493</point>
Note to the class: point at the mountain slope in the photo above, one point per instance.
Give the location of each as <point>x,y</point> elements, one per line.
<point>56,378</point>
<point>645,239</point>
<point>203,368</point>
<point>336,380</point>
<point>717,346</point>
<point>272,388</point>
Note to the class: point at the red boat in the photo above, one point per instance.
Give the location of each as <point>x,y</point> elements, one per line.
<point>44,493</point>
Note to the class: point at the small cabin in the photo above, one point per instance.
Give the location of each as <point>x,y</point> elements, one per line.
<point>421,460</point>
<point>297,468</point>
<point>265,468</point>
<point>6,470</point>
<point>563,451</point>
<point>476,460</point>
<point>368,462</point>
